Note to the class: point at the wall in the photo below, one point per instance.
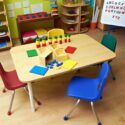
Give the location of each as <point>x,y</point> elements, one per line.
<point>12,21</point>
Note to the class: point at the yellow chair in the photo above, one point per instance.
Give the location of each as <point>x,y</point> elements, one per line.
<point>55,32</point>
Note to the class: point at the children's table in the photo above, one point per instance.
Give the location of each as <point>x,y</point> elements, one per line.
<point>89,52</point>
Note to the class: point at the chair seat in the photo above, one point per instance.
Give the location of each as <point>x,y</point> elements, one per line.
<point>83,88</point>
<point>13,80</point>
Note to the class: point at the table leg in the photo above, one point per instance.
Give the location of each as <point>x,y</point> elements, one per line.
<point>31,97</point>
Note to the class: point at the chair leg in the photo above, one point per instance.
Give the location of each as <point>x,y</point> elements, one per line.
<point>4,90</point>
<point>66,117</point>
<point>37,101</point>
<point>11,103</point>
<point>95,113</point>
<point>112,73</point>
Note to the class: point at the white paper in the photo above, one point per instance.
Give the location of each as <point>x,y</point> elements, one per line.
<point>10,6</point>
<point>113,12</point>
<point>26,3</point>
<point>18,5</point>
<point>11,13</point>
<point>35,8</point>
<point>26,10</point>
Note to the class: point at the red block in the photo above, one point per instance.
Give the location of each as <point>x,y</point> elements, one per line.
<point>70,49</point>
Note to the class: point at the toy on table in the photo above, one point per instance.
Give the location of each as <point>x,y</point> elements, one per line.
<point>69,39</point>
<point>65,39</point>
<point>32,53</point>
<point>54,64</point>
<point>50,40</point>
<point>70,49</point>
<point>59,53</point>
<point>69,64</point>
<point>55,32</point>
<point>45,55</point>
<point>44,42</point>
<point>37,43</point>
<point>50,53</point>
<point>56,39</point>
<point>39,70</point>
<point>60,41</point>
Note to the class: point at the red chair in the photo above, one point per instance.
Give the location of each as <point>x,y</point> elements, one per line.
<point>11,82</point>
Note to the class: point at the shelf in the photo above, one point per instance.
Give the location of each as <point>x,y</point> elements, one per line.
<point>85,5</point>
<point>5,35</point>
<point>75,16</point>
<point>71,32</point>
<point>2,12</point>
<point>84,21</point>
<point>85,13</point>
<point>75,5</point>
<point>4,23</point>
<point>66,14</point>
<point>9,45</point>
<point>85,30</point>
<point>69,22</point>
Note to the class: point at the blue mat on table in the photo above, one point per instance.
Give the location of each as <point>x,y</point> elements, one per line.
<point>39,70</point>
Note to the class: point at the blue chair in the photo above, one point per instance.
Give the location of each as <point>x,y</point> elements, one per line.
<point>89,89</point>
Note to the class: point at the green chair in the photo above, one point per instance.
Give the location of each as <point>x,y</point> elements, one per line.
<point>110,42</point>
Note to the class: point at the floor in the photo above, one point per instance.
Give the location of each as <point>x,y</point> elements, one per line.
<point>55,103</point>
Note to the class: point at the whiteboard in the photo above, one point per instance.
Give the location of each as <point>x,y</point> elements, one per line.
<point>113,13</point>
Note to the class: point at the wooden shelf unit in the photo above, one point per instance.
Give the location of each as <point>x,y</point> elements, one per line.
<point>4,28</point>
<point>28,22</point>
<point>75,18</point>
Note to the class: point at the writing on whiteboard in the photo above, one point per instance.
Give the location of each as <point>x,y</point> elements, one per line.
<point>113,12</point>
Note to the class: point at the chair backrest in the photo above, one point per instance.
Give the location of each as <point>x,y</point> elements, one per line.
<point>109,41</point>
<point>55,32</point>
<point>102,77</point>
<point>3,76</point>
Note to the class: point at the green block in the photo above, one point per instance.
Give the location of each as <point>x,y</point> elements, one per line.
<point>32,53</point>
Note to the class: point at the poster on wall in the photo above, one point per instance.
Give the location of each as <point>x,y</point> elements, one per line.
<point>113,13</point>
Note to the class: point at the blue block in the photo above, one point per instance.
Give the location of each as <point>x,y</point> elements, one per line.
<point>39,70</point>
<point>59,64</point>
<point>52,62</point>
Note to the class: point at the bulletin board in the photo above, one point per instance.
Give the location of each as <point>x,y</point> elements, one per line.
<point>113,13</point>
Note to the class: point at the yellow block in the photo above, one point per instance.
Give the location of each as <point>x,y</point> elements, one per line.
<point>69,64</point>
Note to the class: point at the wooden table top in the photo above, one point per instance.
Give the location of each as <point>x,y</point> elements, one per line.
<point>88,52</point>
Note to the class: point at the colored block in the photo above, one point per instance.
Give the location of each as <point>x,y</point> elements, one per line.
<point>39,70</point>
<point>69,64</point>
<point>32,53</point>
<point>54,64</point>
<point>70,49</point>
